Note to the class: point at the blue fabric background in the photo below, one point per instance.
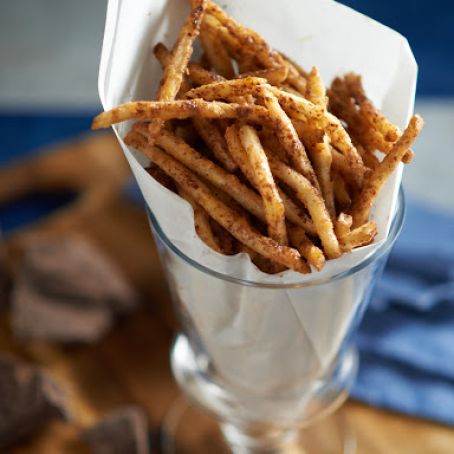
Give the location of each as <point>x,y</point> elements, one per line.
<point>430,32</point>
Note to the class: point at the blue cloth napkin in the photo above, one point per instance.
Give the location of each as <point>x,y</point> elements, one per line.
<point>406,339</point>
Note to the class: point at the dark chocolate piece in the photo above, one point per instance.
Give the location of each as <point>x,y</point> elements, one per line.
<point>67,291</point>
<point>29,398</point>
<point>123,431</point>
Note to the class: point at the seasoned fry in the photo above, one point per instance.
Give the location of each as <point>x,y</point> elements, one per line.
<point>216,53</point>
<point>229,219</point>
<point>313,254</point>
<point>237,152</point>
<point>164,56</point>
<point>182,109</point>
<point>213,173</point>
<point>296,215</point>
<point>341,194</point>
<point>341,140</point>
<point>161,177</point>
<point>287,135</point>
<point>211,135</point>
<point>175,69</point>
<point>341,165</point>
<point>315,90</point>
<point>312,200</point>
<point>264,182</point>
<point>297,77</point>
<point>274,76</point>
<point>197,73</point>
<point>186,132</point>
<point>250,41</point>
<point>349,102</point>
<point>201,222</point>
<point>378,177</point>
<point>322,158</point>
<point>342,226</point>
<point>361,236</point>
<point>262,263</point>
<point>226,89</point>
<point>299,108</point>
<point>291,211</point>
<point>225,240</point>
<point>233,45</point>
<point>271,143</point>
<point>369,159</point>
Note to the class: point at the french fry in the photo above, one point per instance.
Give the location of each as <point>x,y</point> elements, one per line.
<point>232,44</point>
<point>297,77</point>
<point>262,263</point>
<point>366,122</point>
<point>315,89</point>
<point>201,222</point>
<point>213,173</point>
<point>293,66</point>
<point>378,177</point>
<point>211,135</point>
<point>299,108</point>
<point>369,159</point>
<point>341,165</point>
<point>221,213</point>
<point>342,226</point>
<point>226,89</point>
<point>274,76</point>
<point>171,110</point>
<point>246,64</point>
<point>216,53</point>
<point>271,143</point>
<point>163,56</point>
<point>225,240</point>
<point>186,132</point>
<point>264,182</point>
<point>175,69</point>
<point>197,73</point>
<point>321,159</point>
<point>287,135</point>
<point>292,212</point>
<point>312,200</point>
<point>161,177</point>
<point>361,236</point>
<point>295,214</point>
<point>250,41</point>
<point>341,194</point>
<point>371,114</point>
<point>313,254</point>
<point>236,150</point>
<point>342,141</point>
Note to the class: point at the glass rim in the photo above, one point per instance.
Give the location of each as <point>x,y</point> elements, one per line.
<point>395,229</point>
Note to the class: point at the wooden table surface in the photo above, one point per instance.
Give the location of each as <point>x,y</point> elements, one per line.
<point>130,365</point>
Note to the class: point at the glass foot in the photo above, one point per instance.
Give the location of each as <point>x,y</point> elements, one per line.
<point>187,430</point>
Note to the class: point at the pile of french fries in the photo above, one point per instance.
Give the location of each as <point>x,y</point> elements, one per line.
<point>273,163</point>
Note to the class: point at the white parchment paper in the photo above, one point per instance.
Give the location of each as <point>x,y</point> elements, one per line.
<point>239,328</point>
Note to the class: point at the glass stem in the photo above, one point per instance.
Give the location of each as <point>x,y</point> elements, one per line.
<point>260,439</point>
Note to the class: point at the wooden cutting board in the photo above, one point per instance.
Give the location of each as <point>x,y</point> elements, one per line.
<point>130,365</point>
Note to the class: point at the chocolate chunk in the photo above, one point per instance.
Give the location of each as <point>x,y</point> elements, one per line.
<point>122,431</point>
<point>29,398</point>
<point>67,291</point>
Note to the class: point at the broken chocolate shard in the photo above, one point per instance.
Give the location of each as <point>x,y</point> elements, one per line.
<point>29,398</point>
<point>72,268</point>
<point>123,431</point>
<point>67,291</point>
